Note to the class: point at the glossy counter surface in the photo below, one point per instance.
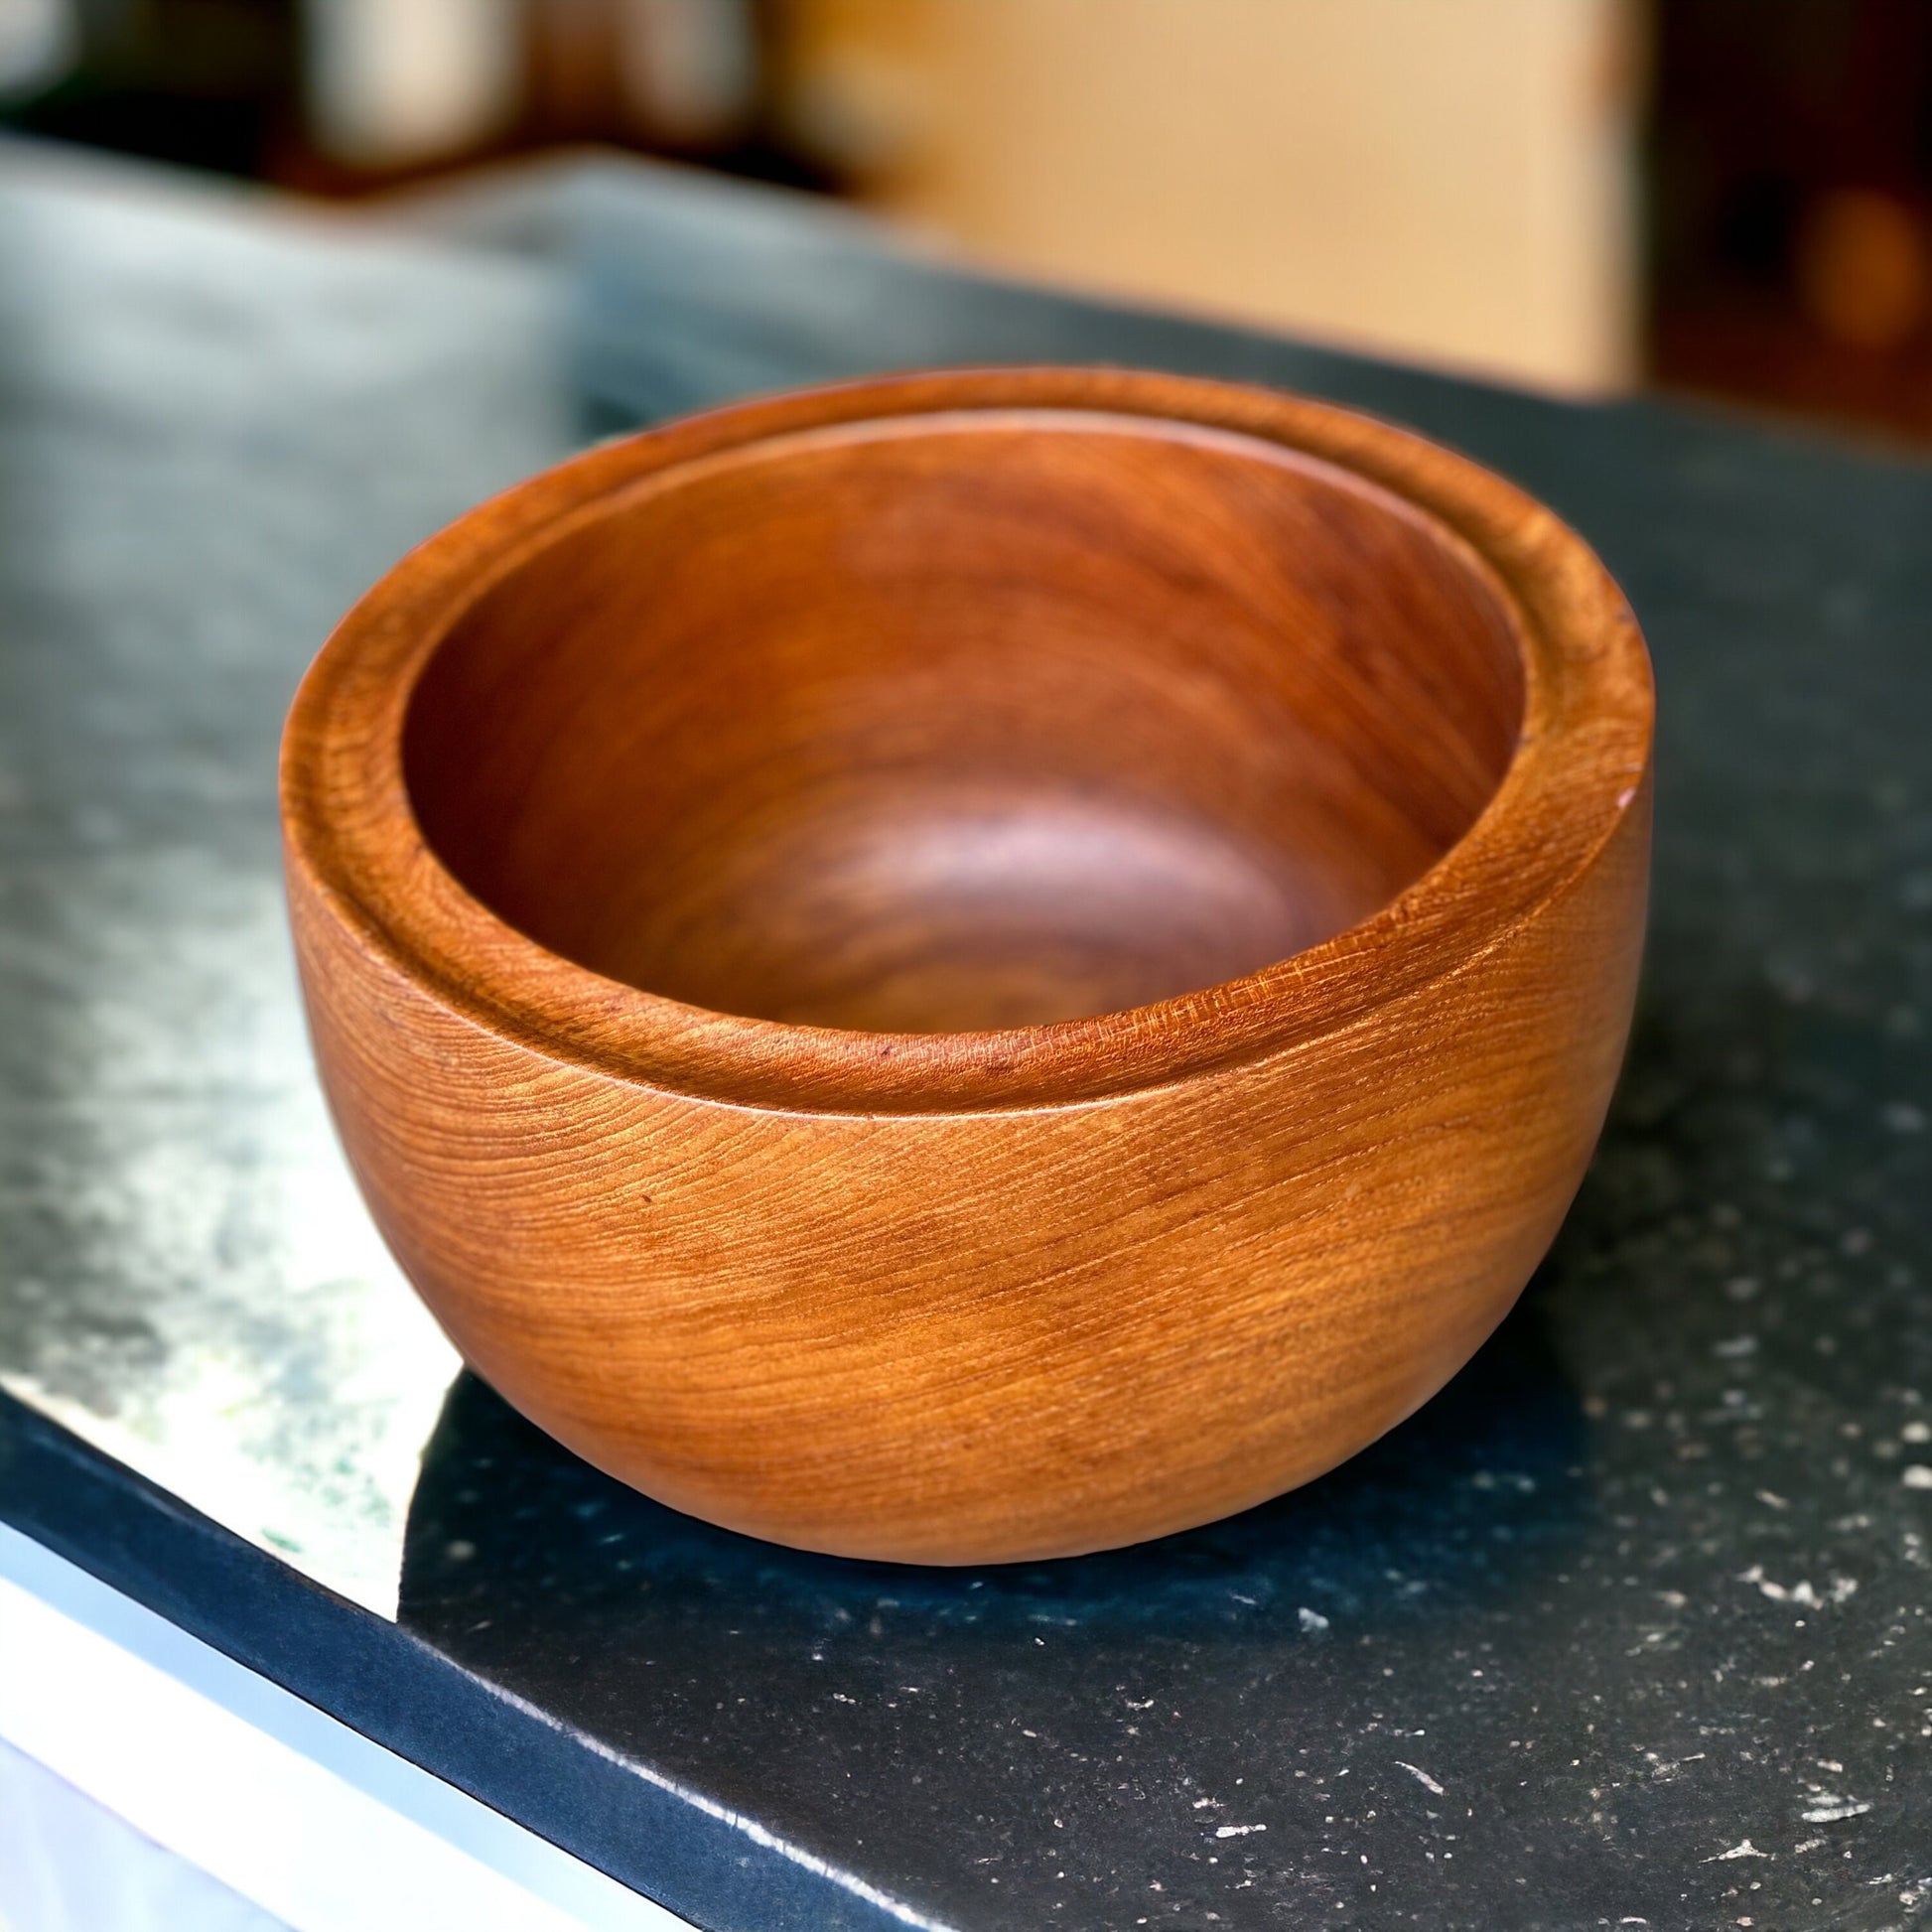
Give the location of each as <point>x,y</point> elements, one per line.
<point>1629,1625</point>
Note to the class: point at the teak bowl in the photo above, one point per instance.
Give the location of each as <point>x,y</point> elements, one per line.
<point>976,966</point>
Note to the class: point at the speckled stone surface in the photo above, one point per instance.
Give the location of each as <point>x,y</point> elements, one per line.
<point>1628,1628</point>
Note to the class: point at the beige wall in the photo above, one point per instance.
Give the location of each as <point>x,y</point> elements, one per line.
<point>1449,180</point>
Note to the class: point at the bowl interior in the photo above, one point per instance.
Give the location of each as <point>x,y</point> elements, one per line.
<point>965,721</point>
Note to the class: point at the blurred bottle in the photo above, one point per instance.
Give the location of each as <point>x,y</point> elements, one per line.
<point>394,83</point>
<point>1863,268</point>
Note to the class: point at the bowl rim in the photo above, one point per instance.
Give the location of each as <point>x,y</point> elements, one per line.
<point>1580,765</point>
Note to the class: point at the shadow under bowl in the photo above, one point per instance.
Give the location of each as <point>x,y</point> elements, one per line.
<point>976,966</point>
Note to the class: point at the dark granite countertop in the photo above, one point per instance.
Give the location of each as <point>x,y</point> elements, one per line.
<point>1628,1628</point>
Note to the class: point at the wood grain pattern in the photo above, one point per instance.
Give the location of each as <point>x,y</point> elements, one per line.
<point>976,966</point>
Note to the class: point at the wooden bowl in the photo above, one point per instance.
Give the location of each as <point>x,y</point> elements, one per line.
<point>976,966</point>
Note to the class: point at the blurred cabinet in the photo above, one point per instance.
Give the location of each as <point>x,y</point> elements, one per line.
<point>1453,181</point>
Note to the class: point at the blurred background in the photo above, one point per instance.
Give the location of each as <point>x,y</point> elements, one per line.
<point>1725,197</point>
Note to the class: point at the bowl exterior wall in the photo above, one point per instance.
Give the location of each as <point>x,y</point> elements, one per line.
<point>990,1335</point>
